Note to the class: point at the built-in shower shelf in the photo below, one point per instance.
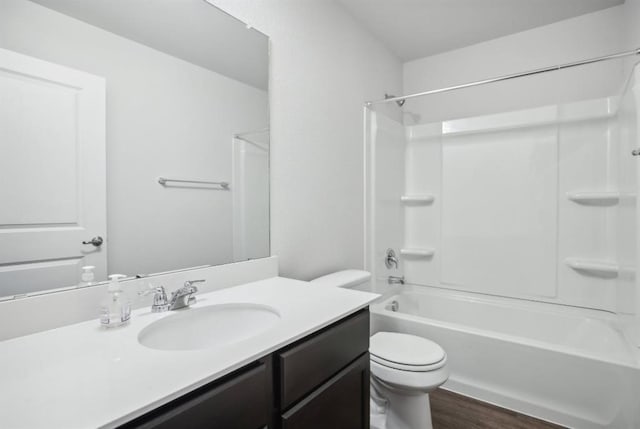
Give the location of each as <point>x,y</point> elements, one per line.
<point>592,267</point>
<point>418,253</point>
<point>605,198</point>
<point>418,199</point>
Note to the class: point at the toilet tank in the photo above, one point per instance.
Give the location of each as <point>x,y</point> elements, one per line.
<point>351,279</point>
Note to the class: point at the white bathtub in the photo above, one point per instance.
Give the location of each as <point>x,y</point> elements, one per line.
<point>566,365</point>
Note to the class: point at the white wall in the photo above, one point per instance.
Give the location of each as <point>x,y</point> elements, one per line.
<point>165,117</point>
<point>323,67</point>
<point>632,27</point>
<point>586,36</point>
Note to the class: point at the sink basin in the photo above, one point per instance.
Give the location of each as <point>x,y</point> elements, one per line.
<point>206,327</point>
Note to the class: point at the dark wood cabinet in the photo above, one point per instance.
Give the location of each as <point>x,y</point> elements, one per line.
<point>241,400</point>
<point>306,364</point>
<point>340,403</point>
<point>321,381</point>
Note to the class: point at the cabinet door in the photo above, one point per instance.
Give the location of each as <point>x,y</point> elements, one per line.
<point>340,403</point>
<point>241,401</point>
<point>310,362</point>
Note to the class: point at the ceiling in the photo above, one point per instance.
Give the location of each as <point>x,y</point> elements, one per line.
<point>191,30</point>
<point>419,28</point>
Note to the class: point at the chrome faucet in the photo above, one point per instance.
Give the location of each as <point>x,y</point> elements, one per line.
<point>183,297</point>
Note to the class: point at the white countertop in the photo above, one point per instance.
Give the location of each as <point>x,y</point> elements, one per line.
<point>85,376</point>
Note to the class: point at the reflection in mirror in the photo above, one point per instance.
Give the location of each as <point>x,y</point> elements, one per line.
<point>134,139</point>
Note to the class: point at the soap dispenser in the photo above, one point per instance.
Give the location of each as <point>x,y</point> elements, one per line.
<point>115,310</point>
<point>88,277</point>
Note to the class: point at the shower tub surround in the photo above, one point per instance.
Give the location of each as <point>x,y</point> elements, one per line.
<point>517,235</point>
<point>535,204</point>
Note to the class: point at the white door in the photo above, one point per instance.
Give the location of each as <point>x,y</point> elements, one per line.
<point>52,174</point>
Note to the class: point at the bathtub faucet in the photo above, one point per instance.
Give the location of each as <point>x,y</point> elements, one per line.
<point>391,260</point>
<point>393,280</point>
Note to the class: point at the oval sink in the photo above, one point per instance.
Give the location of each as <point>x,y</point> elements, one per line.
<point>211,326</point>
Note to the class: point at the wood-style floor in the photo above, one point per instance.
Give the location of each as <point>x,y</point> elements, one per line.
<point>452,411</point>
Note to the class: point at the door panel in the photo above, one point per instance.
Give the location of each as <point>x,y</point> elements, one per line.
<point>37,125</point>
<point>52,174</point>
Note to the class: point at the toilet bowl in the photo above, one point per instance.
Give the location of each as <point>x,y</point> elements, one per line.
<point>404,368</point>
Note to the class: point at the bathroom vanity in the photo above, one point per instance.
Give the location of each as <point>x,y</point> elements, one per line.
<point>308,368</point>
<point>320,381</point>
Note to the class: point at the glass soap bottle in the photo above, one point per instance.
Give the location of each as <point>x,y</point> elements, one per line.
<point>115,310</point>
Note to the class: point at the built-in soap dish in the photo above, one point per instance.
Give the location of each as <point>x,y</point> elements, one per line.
<point>596,268</point>
<point>416,199</point>
<point>604,198</point>
<point>418,252</point>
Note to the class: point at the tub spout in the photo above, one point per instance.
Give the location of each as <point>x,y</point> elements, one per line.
<point>393,280</point>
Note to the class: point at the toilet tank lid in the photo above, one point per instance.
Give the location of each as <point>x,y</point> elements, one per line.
<point>345,278</point>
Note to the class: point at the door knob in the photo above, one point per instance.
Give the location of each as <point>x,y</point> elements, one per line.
<point>96,241</point>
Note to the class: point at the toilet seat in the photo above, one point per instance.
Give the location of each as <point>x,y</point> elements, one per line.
<point>406,352</point>
<point>405,367</point>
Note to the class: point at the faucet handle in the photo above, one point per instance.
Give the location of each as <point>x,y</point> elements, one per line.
<point>183,297</point>
<point>160,301</point>
<point>390,260</point>
<point>190,283</point>
<point>149,290</point>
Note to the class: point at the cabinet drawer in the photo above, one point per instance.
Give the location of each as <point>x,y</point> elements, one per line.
<point>309,363</point>
<point>240,402</point>
<point>340,403</point>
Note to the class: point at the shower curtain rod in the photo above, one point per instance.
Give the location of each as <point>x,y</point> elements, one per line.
<point>508,77</point>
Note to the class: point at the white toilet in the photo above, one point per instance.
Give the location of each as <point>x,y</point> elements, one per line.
<point>404,368</point>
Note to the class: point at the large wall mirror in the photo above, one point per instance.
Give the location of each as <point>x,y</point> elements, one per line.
<point>134,138</point>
